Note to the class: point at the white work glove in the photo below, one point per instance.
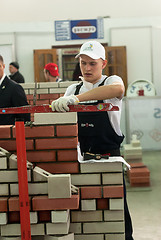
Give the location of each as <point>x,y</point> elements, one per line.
<point>61,104</point>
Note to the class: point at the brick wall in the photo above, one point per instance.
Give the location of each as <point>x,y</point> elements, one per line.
<point>51,145</point>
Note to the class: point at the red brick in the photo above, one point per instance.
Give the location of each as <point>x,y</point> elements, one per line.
<point>56,143</point>
<point>40,101</point>
<point>140,184</point>
<point>91,192</point>
<point>44,216</point>
<point>139,180</point>
<point>139,172</point>
<point>13,203</point>
<point>29,96</point>
<point>13,217</point>
<point>5,131</point>
<point>38,131</point>
<point>41,156</point>
<point>40,203</point>
<point>70,167</point>
<point>10,145</point>
<point>49,96</point>
<point>67,155</point>
<point>3,204</point>
<point>113,191</point>
<point>66,130</point>
<point>102,203</point>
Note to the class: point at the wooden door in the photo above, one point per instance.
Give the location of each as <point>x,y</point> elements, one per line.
<point>117,63</point>
<point>41,58</point>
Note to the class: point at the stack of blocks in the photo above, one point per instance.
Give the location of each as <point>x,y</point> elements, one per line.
<point>139,174</point>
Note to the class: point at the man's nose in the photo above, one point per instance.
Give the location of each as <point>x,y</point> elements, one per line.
<point>88,67</point>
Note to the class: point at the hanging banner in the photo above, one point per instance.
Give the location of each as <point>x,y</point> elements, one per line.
<point>79,29</point>
<point>145,121</point>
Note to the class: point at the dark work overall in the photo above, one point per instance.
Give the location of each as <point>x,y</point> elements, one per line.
<point>96,135</point>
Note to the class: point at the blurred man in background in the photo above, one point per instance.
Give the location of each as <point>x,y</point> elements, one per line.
<point>15,74</point>
<point>11,95</point>
<point>51,72</point>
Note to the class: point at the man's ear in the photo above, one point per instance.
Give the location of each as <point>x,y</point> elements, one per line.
<point>104,64</point>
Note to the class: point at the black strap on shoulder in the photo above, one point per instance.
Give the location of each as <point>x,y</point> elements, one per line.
<point>78,87</point>
<point>102,83</point>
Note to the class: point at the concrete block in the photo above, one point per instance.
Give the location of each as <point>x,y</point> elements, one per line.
<point>13,162</point>
<point>67,83</point>
<point>59,186</point>
<point>57,90</point>
<point>112,178</point>
<point>116,203</point>
<point>69,236</point>
<point>11,230</point>
<point>115,236</point>
<point>104,227</point>
<point>88,205</point>
<point>129,149</point>
<point>33,217</point>
<point>4,152</point>
<point>76,228</point>
<point>10,238</point>
<point>84,216</point>
<point>33,188</point>
<point>3,218</point>
<point>15,230</point>
<point>3,161</point>
<point>59,216</point>
<point>38,229</point>
<point>42,91</point>
<point>4,191</point>
<point>40,175</point>
<point>58,228</point>
<point>55,118</point>
<point>86,179</point>
<point>12,175</point>
<point>28,85</point>
<point>113,215</point>
<point>48,85</point>
<point>98,167</point>
<point>89,237</point>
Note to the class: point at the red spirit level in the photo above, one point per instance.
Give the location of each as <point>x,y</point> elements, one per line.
<point>47,108</point>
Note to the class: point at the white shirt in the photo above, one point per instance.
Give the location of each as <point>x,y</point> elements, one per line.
<point>1,80</point>
<point>114,116</point>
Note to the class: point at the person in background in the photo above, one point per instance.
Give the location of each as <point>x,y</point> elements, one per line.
<point>98,132</point>
<point>11,95</point>
<point>77,73</point>
<point>51,72</point>
<point>15,74</point>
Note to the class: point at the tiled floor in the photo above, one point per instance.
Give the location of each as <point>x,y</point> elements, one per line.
<point>145,203</point>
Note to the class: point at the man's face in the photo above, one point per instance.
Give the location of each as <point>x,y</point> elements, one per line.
<point>2,67</point>
<point>91,68</point>
<point>12,69</point>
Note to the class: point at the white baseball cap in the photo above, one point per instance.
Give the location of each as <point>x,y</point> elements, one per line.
<point>93,49</point>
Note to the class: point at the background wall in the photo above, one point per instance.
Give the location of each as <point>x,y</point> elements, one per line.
<point>39,10</point>
<point>25,26</point>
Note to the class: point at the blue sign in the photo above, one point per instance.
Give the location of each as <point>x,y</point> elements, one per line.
<point>79,29</point>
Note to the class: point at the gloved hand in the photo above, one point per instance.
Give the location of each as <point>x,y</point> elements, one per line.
<point>61,104</point>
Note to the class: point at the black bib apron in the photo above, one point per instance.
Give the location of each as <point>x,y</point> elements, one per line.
<point>95,133</point>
